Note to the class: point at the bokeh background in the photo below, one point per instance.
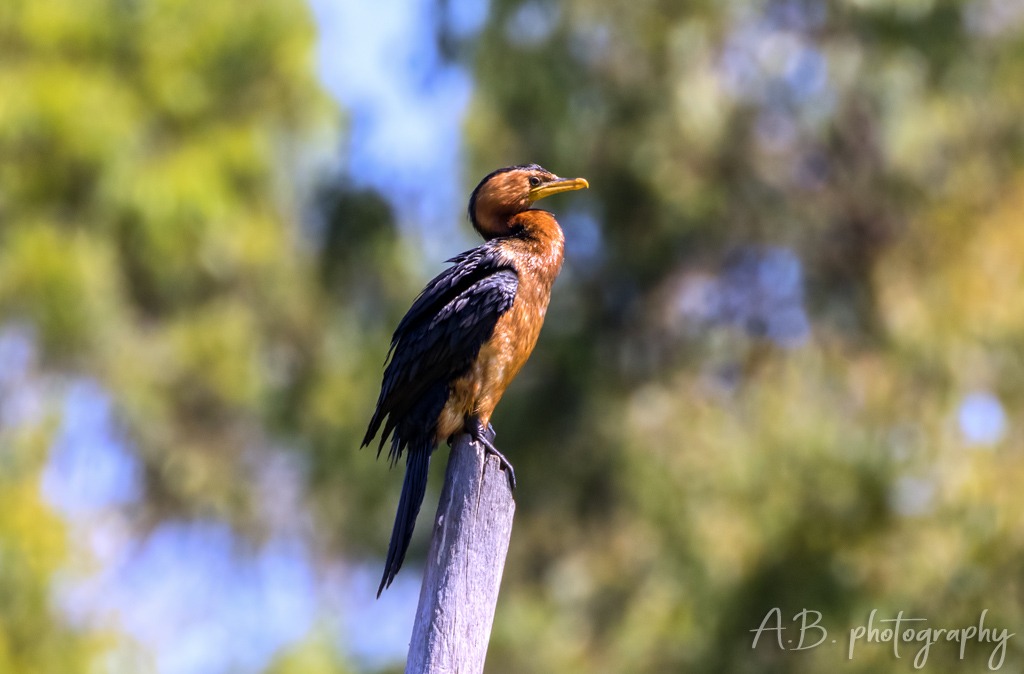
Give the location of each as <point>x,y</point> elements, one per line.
<point>783,367</point>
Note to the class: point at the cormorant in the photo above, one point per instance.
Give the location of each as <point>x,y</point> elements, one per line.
<point>468,334</point>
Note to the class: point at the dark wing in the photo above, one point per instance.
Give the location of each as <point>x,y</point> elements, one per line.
<point>466,267</point>
<point>438,339</point>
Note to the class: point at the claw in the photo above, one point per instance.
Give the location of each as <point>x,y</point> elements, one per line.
<point>486,438</point>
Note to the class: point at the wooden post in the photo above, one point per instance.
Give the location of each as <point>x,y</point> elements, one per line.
<point>467,556</point>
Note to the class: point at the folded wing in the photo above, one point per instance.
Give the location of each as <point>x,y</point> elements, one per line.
<point>437,341</point>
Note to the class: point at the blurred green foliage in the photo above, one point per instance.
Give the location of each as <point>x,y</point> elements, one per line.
<point>681,473</point>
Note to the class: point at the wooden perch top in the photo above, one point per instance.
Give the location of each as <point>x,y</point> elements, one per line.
<point>463,574</point>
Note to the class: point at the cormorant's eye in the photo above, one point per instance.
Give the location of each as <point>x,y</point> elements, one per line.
<point>534,181</point>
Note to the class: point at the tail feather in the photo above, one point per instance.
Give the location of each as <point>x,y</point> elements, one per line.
<point>417,463</point>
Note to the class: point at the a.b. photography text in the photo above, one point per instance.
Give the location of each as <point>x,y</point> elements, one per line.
<point>904,635</point>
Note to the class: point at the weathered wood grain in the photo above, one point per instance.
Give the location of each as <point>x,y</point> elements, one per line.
<point>463,574</point>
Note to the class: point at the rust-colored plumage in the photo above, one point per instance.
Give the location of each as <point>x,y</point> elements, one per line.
<point>468,334</point>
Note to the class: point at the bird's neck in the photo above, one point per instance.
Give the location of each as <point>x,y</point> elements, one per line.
<point>492,222</point>
<point>537,238</point>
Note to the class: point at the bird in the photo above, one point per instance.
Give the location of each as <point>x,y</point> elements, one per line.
<point>467,335</point>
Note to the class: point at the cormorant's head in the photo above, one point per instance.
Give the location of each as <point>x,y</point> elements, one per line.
<point>512,190</point>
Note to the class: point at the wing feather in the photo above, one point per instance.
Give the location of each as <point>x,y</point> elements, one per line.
<point>438,339</point>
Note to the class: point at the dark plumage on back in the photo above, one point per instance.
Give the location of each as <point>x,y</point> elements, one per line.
<point>438,339</point>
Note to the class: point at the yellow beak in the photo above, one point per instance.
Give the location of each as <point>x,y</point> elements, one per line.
<point>557,185</point>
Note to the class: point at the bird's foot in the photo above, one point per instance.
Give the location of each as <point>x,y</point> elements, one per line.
<point>506,465</point>
<point>485,436</point>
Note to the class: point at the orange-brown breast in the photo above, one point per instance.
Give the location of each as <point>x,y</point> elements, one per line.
<point>537,259</point>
